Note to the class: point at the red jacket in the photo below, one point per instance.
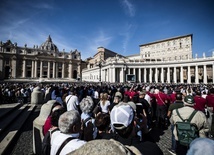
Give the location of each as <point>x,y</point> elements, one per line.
<point>200,103</point>
<point>210,100</point>
<point>161,98</point>
<point>172,97</point>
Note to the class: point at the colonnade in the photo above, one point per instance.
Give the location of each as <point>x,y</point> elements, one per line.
<point>176,73</point>
<point>46,69</point>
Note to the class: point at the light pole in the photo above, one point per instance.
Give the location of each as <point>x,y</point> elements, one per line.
<point>100,66</point>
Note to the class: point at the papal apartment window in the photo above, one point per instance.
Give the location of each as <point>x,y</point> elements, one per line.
<point>7,49</point>
<point>162,45</point>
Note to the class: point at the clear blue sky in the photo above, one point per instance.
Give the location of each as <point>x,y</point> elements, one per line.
<point>118,25</point>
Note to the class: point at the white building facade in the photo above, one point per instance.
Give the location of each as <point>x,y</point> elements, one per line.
<point>176,68</point>
<point>176,48</point>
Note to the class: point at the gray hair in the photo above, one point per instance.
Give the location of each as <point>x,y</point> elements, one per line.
<point>87,104</point>
<point>103,147</point>
<point>67,120</point>
<point>197,149</point>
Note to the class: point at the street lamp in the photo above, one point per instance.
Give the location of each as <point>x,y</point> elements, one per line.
<point>100,66</point>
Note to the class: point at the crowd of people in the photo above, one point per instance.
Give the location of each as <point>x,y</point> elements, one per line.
<point>15,92</point>
<point>123,113</point>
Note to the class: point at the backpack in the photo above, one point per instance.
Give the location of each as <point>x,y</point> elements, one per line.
<point>85,129</point>
<point>46,143</point>
<point>186,131</point>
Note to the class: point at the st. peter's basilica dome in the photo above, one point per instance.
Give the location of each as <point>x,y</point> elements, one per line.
<point>49,45</point>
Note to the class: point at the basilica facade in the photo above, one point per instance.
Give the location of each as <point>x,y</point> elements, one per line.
<point>168,60</point>
<point>44,62</point>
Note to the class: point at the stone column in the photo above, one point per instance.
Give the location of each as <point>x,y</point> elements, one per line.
<point>63,70</point>
<point>139,76</point>
<point>110,74</point>
<point>162,74</point>
<point>13,68</point>
<point>41,69</point>
<point>150,74</point>
<point>57,69</point>
<point>168,74</point>
<point>113,74</point>
<point>189,76</point>
<point>182,75</point>
<point>145,73</point>
<point>54,69</point>
<point>123,75</point>
<point>175,75</point>
<point>105,75</point>
<point>120,74</point>
<point>196,74</point>
<point>24,69</point>
<point>79,71</point>
<point>32,69</point>
<point>36,69</point>
<point>49,68</point>
<point>70,70</point>
<point>128,70</point>
<point>205,74</point>
<point>156,74</point>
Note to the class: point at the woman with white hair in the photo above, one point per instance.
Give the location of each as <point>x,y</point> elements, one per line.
<point>201,146</point>
<point>86,106</point>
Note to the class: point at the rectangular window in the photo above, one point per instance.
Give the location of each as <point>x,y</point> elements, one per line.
<point>7,49</point>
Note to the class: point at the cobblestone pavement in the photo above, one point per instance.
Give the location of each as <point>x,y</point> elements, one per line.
<point>24,144</point>
<point>165,141</point>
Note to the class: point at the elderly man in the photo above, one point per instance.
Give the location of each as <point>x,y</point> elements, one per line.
<point>178,103</point>
<point>199,119</point>
<point>66,140</point>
